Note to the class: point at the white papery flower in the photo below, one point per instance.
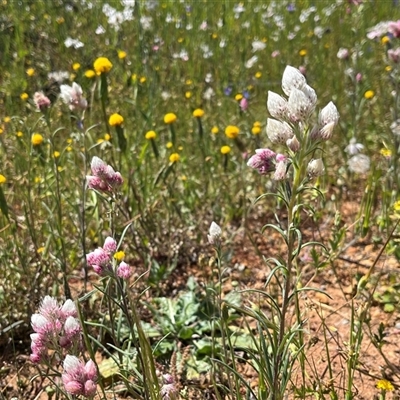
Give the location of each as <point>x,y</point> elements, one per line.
<point>328,114</point>
<point>75,43</point>
<point>214,234</point>
<point>278,132</point>
<point>292,79</point>
<point>251,61</point>
<point>258,45</point>
<point>300,106</point>
<point>277,105</point>
<point>353,147</point>
<point>315,168</point>
<point>73,96</point>
<point>360,163</point>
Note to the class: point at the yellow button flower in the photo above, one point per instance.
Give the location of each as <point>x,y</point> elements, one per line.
<point>232,131</point>
<point>303,52</point>
<point>188,94</point>
<point>56,154</point>
<point>258,75</point>
<point>174,157</point>
<point>369,94</point>
<point>238,97</point>
<point>385,40</point>
<point>385,385</point>
<point>116,120</point>
<point>169,118</point>
<point>102,65</point>
<point>3,179</point>
<point>90,73</point>
<point>19,134</point>
<point>30,72</point>
<point>76,66</point>
<point>107,137</point>
<point>150,135</point>
<point>255,130</point>
<point>7,119</point>
<point>198,113</point>
<point>169,145</point>
<point>24,96</point>
<point>119,255</point>
<point>225,149</point>
<point>214,130</point>
<point>121,54</point>
<point>37,139</point>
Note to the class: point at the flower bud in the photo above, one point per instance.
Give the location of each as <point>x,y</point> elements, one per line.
<point>214,236</point>
<point>315,168</point>
<point>293,144</point>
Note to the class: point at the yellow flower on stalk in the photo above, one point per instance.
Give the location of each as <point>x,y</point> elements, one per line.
<point>257,123</point>
<point>258,75</point>
<point>56,154</point>
<point>169,145</point>
<point>7,119</point>
<point>150,135</point>
<point>214,130</point>
<point>119,255</point>
<point>188,82</point>
<point>369,94</point>
<point>142,79</point>
<point>1,131</point>
<point>76,66</point>
<point>3,179</point>
<point>302,52</point>
<point>225,149</point>
<point>107,137</point>
<point>19,134</point>
<point>188,94</point>
<point>90,73</point>
<point>116,120</point>
<point>102,65</point>
<point>232,131</point>
<point>30,72</point>
<point>37,139</point>
<point>385,385</point>
<point>386,152</point>
<point>169,118</point>
<point>385,40</point>
<point>388,68</point>
<point>396,205</point>
<point>255,130</point>
<point>24,96</point>
<point>121,54</point>
<point>41,249</point>
<point>238,97</point>
<point>174,157</point>
<point>198,113</point>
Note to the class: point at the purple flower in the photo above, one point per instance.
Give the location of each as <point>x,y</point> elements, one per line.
<point>263,161</point>
<point>228,91</point>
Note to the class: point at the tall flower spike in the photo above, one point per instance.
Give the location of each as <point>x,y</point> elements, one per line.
<point>292,79</point>
<point>278,132</point>
<point>214,236</point>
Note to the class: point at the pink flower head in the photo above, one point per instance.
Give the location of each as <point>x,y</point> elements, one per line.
<point>124,270</point>
<point>98,257</point>
<point>104,177</point>
<point>263,160</point>
<point>244,104</point>
<point>394,28</point>
<point>78,378</point>
<point>68,309</point>
<point>41,100</point>
<point>394,55</point>
<point>110,245</point>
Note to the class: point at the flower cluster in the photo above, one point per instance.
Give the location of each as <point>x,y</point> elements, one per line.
<point>56,327</point>
<point>104,259</point>
<point>79,378</point>
<point>169,390</point>
<point>41,101</point>
<point>73,96</point>
<point>104,177</point>
<point>290,123</point>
